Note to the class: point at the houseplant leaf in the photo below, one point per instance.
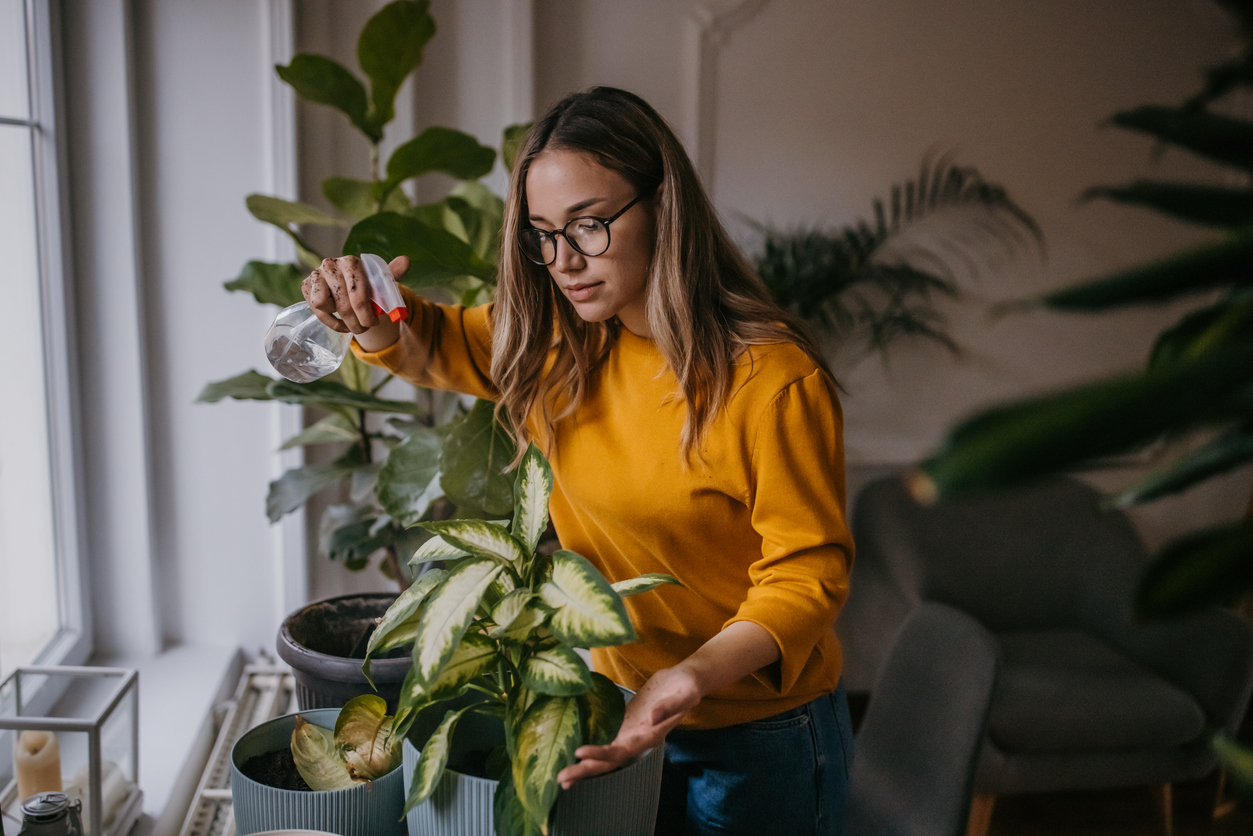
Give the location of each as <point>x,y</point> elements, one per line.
<point>482,224</point>
<point>319,79</point>
<point>533,615</point>
<point>511,144</point>
<point>249,386</point>
<point>531,489</point>
<point>363,731</point>
<point>389,48</point>
<point>289,491</point>
<point>508,608</point>
<point>448,613</point>
<point>317,757</point>
<point>481,538</point>
<point>435,255</point>
<point>1237,759</point>
<point>401,614</point>
<point>509,817</point>
<point>360,198</point>
<point>548,734</point>
<point>432,760</point>
<point>453,152</point>
<point>1197,570</point>
<point>405,480</point>
<point>634,586</point>
<point>333,428</point>
<point>1210,205</point>
<point>475,655</point>
<point>472,466</point>
<point>286,214</point>
<point>329,393</point>
<point>557,671</point>
<point>270,284</point>
<point>602,709</point>
<point>1228,451</point>
<point>587,612</point>
<point>1220,138</point>
<point>437,548</point>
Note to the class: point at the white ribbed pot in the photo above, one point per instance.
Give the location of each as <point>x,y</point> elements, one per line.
<point>622,802</point>
<point>371,809</point>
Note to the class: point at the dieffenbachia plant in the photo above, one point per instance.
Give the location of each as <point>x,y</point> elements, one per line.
<point>502,619</point>
<point>362,747</point>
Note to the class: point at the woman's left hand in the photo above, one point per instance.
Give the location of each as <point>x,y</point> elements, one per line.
<point>659,706</point>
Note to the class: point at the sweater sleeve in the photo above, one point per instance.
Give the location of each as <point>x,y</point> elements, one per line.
<point>440,347</point>
<point>797,501</point>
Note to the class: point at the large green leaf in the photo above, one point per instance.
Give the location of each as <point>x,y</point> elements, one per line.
<point>432,760</point>
<point>588,613</point>
<point>480,537</point>
<point>406,480</point>
<point>511,144</point>
<point>448,613</point>
<point>1228,451</point>
<point>509,817</point>
<point>1219,263</point>
<point>286,214</point>
<point>1237,759</point>
<point>355,541</point>
<point>436,548</point>
<point>453,152</point>
<point>472,467</point>
<point>293,488</point>
<point>1197,570</point>
<point>1210,205</point>
<point>399,624</point>
<point>525,624</point>
<point>363,731</point>
<point>249,386</point>
<point>270,284</point>
<point>474,656</point>
<point>1025,440</point>
<point>317,757</point>
<point>1220,138</point>
<point>531,490</point>
<point>643,583</point>
<point>548,734</point>
<point>389,48</point>
<point>508,608</point>
<point>435,255</point>
<point>329,393</point>
<point>602,709</point>
<point>557,671</point>
<point>359,198</point>
<point>319,79</point>
<point>333,428</point>
<point>482,213</point>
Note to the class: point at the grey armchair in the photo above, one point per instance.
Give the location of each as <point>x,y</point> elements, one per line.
<point>914,767</point>
<point>1085,699</point>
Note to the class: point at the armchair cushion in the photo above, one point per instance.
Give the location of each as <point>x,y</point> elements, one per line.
<point>1067,691</point>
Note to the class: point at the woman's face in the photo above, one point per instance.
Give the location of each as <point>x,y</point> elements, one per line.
<point>562,185</point>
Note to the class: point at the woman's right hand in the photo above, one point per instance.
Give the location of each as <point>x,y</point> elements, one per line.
<point>339,286</point>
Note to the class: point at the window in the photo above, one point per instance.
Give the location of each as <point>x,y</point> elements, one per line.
<point>42,617</point>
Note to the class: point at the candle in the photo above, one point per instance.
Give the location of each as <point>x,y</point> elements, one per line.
<point>37,761</point>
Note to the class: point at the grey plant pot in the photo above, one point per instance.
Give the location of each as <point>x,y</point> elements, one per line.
<point>623,802</point>
<point>373,809</point>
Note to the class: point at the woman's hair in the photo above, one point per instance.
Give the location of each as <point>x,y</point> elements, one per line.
<point>705,304</point>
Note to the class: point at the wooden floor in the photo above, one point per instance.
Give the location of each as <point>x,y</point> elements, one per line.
<point>1116,813</point>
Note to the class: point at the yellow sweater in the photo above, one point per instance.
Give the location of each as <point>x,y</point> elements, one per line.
<point>756,532</point>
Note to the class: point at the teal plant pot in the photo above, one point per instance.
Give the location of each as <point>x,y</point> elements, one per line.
<point>622,802</point>
<point>373,809</point>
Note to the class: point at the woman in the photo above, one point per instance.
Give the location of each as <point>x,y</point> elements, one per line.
<point>692,428</point>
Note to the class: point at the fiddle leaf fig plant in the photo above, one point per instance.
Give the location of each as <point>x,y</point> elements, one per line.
<point>431,457</point>
<point>500,624</point>
<point>362,747</point>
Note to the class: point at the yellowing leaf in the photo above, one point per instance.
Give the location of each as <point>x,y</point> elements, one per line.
<point>317,757</point>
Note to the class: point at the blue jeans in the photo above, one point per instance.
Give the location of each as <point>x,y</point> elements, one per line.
<point>786,774</point>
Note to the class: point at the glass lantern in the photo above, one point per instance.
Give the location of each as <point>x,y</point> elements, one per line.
<point>76,730</point>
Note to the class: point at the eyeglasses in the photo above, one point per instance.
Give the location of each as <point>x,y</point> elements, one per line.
<point>589,236</point>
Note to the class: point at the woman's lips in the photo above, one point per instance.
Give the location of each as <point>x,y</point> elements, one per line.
<point>581,292</point>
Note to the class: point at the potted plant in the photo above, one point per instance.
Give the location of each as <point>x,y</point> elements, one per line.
<point>325,770</point>
<point>496,686</point>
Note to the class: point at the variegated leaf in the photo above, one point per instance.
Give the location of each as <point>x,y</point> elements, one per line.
<point>509,817</point>
<point>516,705</point>
<point>363,731</point>
<point>531,491</point>
<point>643,583</point>
<point>475,655</point>
<point>448,612</point>
<point>479,537</point>
<point>603,708</point>
<point>503,585</point>
<point>400,622</point>
<point>531,618</point>
<point>557,671</point>
<point>437,548</point>
<point>588,613</point>
<point>508,609</point>
<point>547,737</point>
<point>432,760</point>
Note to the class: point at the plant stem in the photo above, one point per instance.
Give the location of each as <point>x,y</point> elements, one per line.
<point>367,446</point>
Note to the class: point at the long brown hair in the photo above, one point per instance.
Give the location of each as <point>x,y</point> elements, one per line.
<point>705,305</point>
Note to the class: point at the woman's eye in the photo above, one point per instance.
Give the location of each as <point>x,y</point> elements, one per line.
<point>587,225</point>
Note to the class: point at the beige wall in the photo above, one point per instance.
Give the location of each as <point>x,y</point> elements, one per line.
<point>811,109</point>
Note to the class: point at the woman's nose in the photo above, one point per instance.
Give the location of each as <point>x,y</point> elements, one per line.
<point>568,258</point>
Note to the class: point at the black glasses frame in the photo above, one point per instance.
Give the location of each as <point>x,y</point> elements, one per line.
<point>547,235</point>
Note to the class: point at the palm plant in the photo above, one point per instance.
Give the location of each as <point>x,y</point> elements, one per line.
<point>879,281</point>
<point>1197,383</point>
<point>432,456</point>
